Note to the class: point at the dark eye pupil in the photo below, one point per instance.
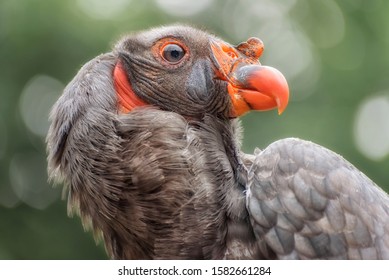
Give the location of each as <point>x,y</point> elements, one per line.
<point>173,53</point>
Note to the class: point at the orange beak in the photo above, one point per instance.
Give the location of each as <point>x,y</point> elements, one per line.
<point>251,86</point>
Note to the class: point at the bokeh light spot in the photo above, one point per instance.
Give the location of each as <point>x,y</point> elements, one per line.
<point>36,100</point>
<point>371,127</point>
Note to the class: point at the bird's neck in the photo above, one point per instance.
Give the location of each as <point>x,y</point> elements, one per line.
<point>220,146</point>
<point>220,141</point>
<point>221,138</point>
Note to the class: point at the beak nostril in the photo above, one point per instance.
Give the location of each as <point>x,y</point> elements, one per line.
<point>232,54</point>
<point>229,51</point>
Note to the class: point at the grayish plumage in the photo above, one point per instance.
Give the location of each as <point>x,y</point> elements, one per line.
<point>306,202</point>
<point>168,180</point>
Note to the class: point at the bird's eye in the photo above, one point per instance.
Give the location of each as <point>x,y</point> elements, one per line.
<point>173,53</point>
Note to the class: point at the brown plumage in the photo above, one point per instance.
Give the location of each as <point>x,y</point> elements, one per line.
<point>152,161</point>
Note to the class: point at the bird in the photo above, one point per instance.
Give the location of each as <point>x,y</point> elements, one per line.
<point>146,140</point>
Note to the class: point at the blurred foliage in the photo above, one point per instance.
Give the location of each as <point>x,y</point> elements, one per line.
<point>334,54</point>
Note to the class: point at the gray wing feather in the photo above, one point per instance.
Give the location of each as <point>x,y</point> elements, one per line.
<point>306,202</point>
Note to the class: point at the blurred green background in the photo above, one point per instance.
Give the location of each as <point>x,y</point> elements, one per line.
<point>335,55</point>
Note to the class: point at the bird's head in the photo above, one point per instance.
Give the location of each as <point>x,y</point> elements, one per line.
<point>190,72</point>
